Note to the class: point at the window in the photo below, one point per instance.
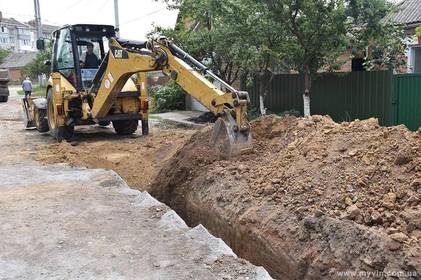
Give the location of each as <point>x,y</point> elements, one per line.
<point>26,42</point>
<point>83,48</point>
<point>23,31</point>
<point>3,29</point>
<point>414,60</point>
<point>105,43</point>
<point>64,50</point>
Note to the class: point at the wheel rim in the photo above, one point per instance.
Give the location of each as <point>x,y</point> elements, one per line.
<point>51,115</point>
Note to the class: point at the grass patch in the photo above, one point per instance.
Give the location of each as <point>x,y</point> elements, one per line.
<point>36,91</point>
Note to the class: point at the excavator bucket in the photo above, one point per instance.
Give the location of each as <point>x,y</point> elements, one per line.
<point>228,140</point>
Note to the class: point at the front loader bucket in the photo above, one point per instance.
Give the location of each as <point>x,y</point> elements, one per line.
<point>228,140</point>
<point>28,119</point>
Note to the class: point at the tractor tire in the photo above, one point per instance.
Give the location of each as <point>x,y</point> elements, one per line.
<point>125,127</point>
<point>41,121</point>
<point>60,133</point>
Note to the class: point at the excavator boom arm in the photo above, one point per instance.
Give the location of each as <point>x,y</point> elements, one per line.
<point>224,101</point>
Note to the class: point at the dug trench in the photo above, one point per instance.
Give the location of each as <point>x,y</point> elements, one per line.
<point>314,199</point>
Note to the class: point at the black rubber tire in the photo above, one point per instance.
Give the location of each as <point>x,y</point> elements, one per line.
<point>125,127</point>
<point>40,118</point>
<point>104,123</point>
<point>60,133</point>
<point>4,98</point>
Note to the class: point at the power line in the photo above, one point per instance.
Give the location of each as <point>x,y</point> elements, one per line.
<point>103,5</point>
<point>142,17</point>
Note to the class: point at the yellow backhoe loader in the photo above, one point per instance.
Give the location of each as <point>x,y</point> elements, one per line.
<point>79,92</point>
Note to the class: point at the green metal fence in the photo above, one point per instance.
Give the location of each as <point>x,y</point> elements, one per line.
<point>343,96</point>
<point>407,89</point>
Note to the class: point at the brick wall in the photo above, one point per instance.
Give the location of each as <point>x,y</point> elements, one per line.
<point>15,75</point>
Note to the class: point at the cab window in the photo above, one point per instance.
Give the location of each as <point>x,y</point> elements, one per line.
<point>64,51</point>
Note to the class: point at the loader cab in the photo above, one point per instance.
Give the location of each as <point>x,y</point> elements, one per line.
<point>70,45</point>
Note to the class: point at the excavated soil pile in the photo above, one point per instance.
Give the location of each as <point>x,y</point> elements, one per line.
<point>137,160</point>
<point>313,200</point>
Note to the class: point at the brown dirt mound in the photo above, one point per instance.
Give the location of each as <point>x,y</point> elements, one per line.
<point>314,198</point>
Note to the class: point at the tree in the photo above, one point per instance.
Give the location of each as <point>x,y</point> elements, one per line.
<point>320,30</point>
<point>316,35</point>
<point>4,54</point>
<point>232,37</point>
<point>242,37</point>
<point>235,38</point>
<point>370,29</point>
<point>37,66</point>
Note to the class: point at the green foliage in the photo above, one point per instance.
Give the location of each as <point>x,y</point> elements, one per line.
<point>367,28</point>
<point>167,98</point>
<point>315,31</point>
<point>38,66</point>
<point>232,37</point>
<point>418,31</point>
<point>36,91</point>
<point>240,37</point>
<point>388,52</point>
<point>4,54</point>
<point>253,113</point>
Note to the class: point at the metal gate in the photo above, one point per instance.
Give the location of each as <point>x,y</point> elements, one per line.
<point>407,90</point>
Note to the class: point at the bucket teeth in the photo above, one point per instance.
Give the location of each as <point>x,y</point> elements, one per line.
<point>228,139</point>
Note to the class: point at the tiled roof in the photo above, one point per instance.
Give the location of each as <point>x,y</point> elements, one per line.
<point>409,13</point>
<point>18,60</point>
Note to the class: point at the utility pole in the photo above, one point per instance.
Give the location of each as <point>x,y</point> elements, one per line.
<point>117,22</point>
<point>38,26</point>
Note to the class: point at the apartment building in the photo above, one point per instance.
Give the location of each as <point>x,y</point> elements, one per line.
<point>20,37</point>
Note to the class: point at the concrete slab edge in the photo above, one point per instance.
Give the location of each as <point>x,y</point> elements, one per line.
<point>171,221</point>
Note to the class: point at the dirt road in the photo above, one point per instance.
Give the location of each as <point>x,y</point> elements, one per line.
<point>59,222</point>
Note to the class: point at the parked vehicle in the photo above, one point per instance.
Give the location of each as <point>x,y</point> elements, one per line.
<point>4,90</point>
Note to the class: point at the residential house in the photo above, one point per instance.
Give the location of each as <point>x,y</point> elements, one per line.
<point>20,37</point>
<point>47,29</point>
<point>409,14</point>
<point>15,35</point>
<point>15,63</point>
